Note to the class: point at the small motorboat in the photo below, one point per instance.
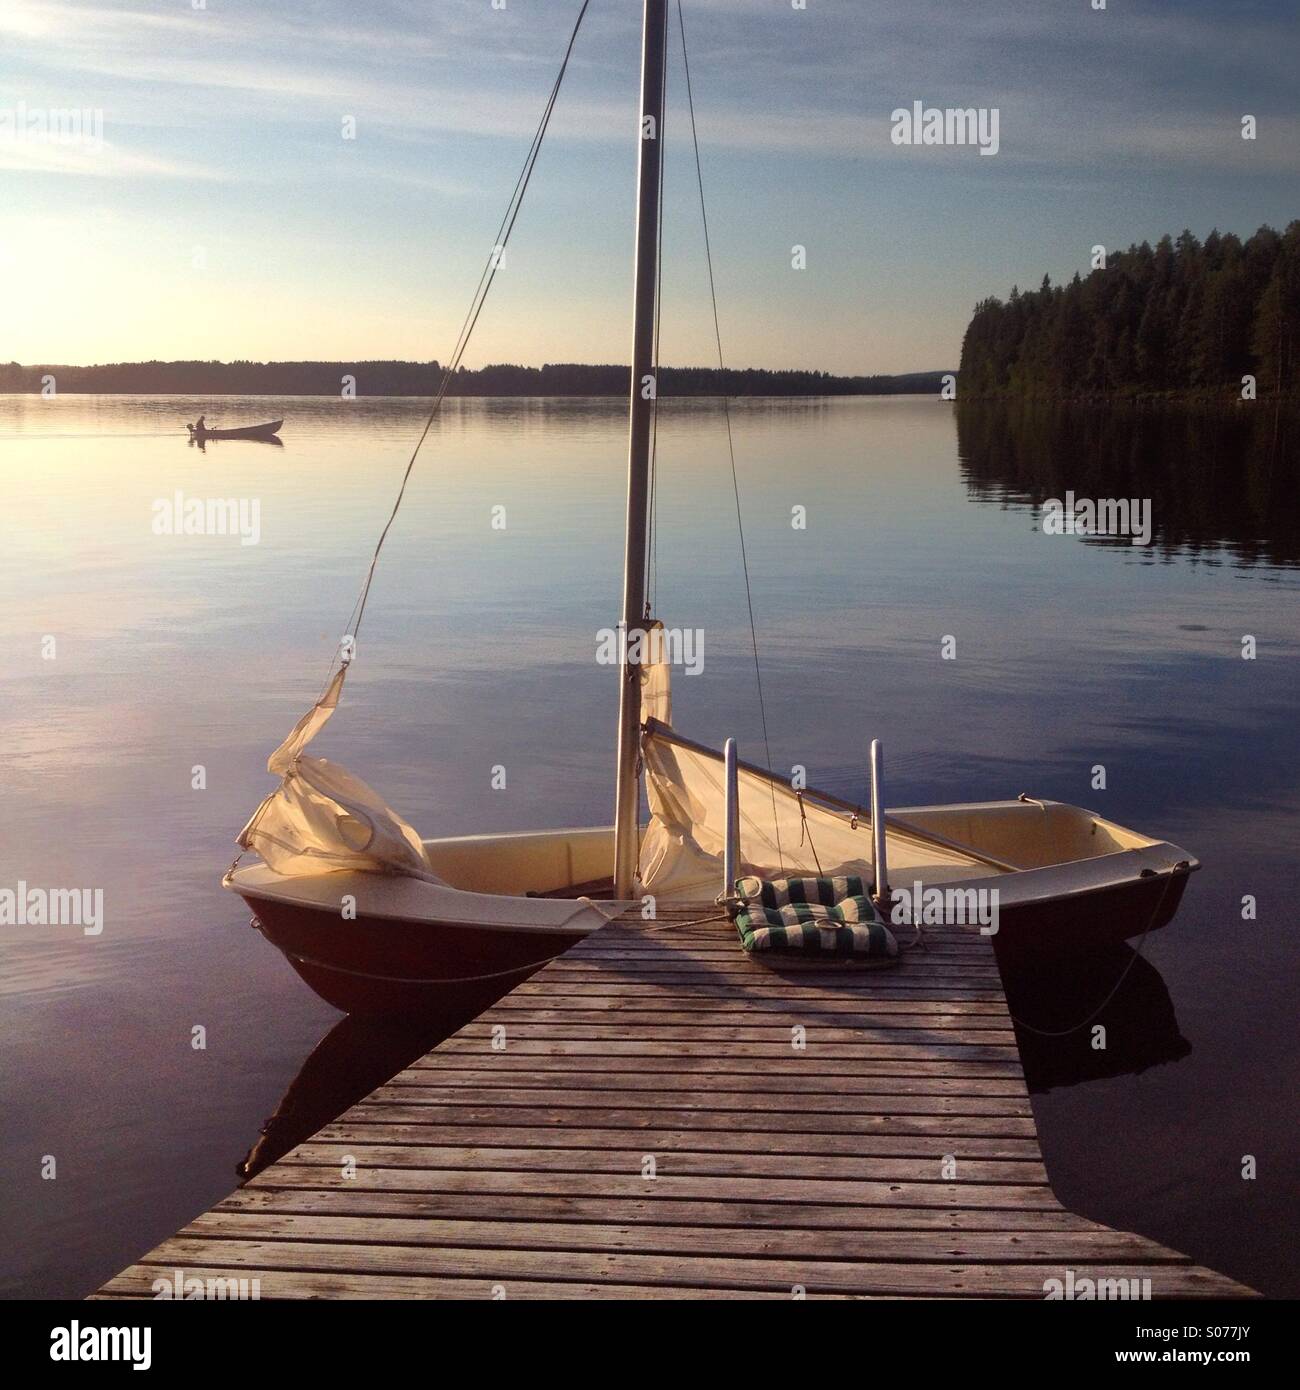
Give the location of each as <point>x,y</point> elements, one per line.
<point>267,431</point>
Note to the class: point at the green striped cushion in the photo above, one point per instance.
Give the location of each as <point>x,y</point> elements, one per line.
<point>812,916</point>
<point>783,892</point>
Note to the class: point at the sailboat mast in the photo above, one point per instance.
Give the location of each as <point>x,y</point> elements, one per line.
<point>640,412</point>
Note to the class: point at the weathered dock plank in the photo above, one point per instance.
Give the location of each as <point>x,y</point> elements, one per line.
<point>655,1115</point>
<point>503,1265</point>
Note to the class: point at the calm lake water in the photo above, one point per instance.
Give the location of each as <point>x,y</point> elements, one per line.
<point>177,651</point>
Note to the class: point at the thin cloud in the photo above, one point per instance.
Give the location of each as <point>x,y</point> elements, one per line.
<point>99,160</point>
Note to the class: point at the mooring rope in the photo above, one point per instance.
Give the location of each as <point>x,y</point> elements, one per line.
<point>531,967</point>
<point>1179,868</point>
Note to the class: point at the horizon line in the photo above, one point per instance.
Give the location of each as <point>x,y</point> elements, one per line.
<point>433,362</point>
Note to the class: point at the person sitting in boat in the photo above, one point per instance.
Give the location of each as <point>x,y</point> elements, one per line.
<point>199,425</point>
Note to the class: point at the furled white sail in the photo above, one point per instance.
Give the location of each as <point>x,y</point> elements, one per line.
<point>781,833</point>
<point>322,817</point>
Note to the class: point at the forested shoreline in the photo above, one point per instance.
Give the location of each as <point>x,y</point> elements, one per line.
<point>424,378</point>
<point>1183,319</point>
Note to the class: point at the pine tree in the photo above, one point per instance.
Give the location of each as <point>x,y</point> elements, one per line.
<point>1184,315</point>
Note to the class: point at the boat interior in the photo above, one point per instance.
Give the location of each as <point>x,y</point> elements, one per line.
<point>568,863</point>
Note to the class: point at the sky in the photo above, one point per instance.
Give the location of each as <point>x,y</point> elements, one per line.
<point>212,207</point>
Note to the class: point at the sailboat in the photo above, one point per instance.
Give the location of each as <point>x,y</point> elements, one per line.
<point>377,919</point>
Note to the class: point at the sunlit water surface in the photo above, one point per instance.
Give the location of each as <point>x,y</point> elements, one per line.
<point>172,653</point>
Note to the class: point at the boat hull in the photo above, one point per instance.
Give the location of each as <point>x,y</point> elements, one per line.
<point>454,970</point>
<point>1096,918</point>
<point>267,431</point>
<point>381,966</point>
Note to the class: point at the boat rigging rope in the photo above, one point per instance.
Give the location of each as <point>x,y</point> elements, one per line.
<point>805,830</point>
<point>345,650</point>
<point>731,448</point>
<point>467,328</point>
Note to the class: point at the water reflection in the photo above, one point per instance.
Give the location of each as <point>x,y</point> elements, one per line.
<point>1220,481</point>
<point>358,1055</point>
<point>174,650</point>
<point>1059,1010</point>
<point>201,443</point>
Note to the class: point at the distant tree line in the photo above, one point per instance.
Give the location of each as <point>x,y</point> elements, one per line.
<point>424,378</point>
<point>1184,317</point>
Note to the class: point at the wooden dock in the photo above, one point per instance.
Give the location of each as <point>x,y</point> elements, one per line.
<point>654,1115</point>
